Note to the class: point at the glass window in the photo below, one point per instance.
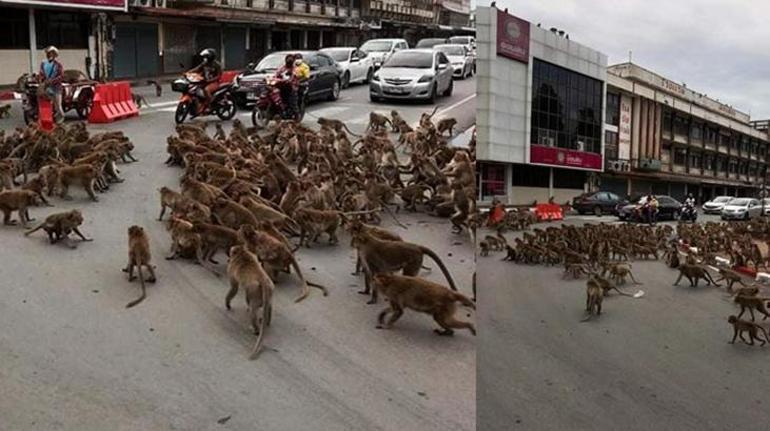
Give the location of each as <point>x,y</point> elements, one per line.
<point>529,176</point>
<point>568,104</point>
<point>14,28</point>
<point>493,179</point>
<point>61,29</point>
<point>680,156</point>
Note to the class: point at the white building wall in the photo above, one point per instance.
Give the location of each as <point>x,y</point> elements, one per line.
<point>15,62</point>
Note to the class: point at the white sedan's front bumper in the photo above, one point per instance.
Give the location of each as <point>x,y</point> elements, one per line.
<point>733,215</point>
<point>412,90</point>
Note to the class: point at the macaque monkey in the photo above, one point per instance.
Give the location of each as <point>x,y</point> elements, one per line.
<point>594,297</point>
<point>38,185</point>
<point>388,256</point>
<point>5,111</point>
<point>397,122</point>
<point>138,256</point>
<point>215,238</point>
<point>575,270</point>
<point>693,273</point>
<point>744,326</point>
<point>59,226</point>
<point>446,124</point>
<point>245,272</point>
<point>484,247</point>
<point>377,122</point>
<point>314,222</point>
<point>18,200</point>
<point>185,242</point>
<point>423,296</point>
<point>336,125</point>
<point>85,175</point>
<point>731,277</point>
<point>752,303</point>
<point>619,272</point>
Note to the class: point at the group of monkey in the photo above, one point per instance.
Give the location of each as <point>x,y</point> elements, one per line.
<point>602,252</point>
<point>247,193</point>
<point>67,156</point>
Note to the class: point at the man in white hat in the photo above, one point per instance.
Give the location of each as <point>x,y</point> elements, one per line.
<point>51,75</point>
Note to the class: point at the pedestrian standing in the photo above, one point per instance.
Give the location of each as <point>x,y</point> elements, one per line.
<point>52,75</point>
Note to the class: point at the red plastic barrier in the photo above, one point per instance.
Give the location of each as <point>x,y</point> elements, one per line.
<point>112,101</point>
<point>45,113</point>
<point>751,272</point>
<point>228,76</point>
<point>549,212</point>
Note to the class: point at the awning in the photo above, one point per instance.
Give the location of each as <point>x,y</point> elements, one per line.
<point>247,16</point>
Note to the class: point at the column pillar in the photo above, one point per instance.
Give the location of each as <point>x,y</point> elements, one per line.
<point>635,111</point>
<point>550,182</point>
<point>32,42</point>
<point>304,39</point>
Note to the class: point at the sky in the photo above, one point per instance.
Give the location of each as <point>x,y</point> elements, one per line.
<point>720,48</point>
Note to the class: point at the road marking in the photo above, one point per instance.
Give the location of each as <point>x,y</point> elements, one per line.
<point>162,104</point>
<point>449,108</point>
<point>329,111</point>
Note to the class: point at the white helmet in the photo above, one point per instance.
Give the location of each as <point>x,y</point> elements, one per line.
<point>53,49</point>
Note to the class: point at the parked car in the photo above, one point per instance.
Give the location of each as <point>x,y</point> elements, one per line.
<point>381,49</point>
<point>715,205</point>
<point>668,208</point>
<point>468,41</point>
<point>414,74</point>
<point>324,83</point>
<point>357,66</point>
<point>462,60</point>
<point>742,209</point>
<point>767,205</point>
<point>430,43</point>
<point>598,203</point>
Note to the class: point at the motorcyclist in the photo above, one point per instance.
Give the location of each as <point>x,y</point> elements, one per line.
<point>287,74</point>
<point>690,200</point>
<point>652,202</point>
<point>211,71</point>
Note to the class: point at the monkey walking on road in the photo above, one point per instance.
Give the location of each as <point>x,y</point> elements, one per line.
<point>138,256</point>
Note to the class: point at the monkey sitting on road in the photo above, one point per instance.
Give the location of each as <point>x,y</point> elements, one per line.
<point>423,296</point>
<point>138,256</point>
<point>594,297</point>
<point>246,273</point>
<point>19,201</point>
<point>59,226</point>
<point>744,326</point>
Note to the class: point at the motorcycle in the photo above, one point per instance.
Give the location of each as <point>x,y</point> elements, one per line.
<point>78,96</point>
<point>268,106</point>
<point>193,103</point>
<point>689,213</point>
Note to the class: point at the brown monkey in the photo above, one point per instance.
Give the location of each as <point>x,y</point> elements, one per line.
<point>379,255</point>
<point>336,125</point>
<point>594,297</point>
<point>169,199</point>
<point>742,326</point>
<point>138,256</point>
<point>446,124</point>
<point>59,226</point>
<point>85,175</point>
<point>484,246</point>
<point>377,122</point>
<point>751,303</point>
<point>315,222</point>
<point>575,270</point>
<point>694,273</point>
<point>5,111</point>
<point>37,185</point>
<point>276,256</point>
<point>185,242</point>
<point>620,271</point>
<point>246,273</point>
<point>215,238</point>
<point>731,277</point>
<point>291,198</point>
<point>232,214</point>
<point>17,200</point>
<point>423,296</point>
<point>398,123</point>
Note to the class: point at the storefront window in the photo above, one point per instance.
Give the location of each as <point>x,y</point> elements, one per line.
<point>68,30</point>
<point>566,108</point>
<point>492,180</point>
<point>680,156</point>
<point>612,115</point>
<point>14,28</point>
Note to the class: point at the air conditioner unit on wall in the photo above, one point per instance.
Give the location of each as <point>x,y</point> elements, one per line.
<point>547,141</point>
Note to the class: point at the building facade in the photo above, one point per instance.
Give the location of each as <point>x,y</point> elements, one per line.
<point>664,138</point>
<point>540,111</point>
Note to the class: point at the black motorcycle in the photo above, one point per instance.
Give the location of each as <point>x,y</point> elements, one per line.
<point>689,213</point>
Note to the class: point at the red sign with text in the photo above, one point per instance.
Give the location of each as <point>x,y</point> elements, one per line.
<point>121,5</point>
<point>512,37</point>
<point>564,157</point>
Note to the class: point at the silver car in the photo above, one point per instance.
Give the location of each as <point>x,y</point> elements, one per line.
<point>715,205</point>
<point>741,209</point>
<point>413,74</point>
<point>461,59</point>
<point>380,50</point>
<point>357,65</point>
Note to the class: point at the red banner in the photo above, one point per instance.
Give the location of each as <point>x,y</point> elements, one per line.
<point>564,157</point>
<point>512,37</point>
<point>121,5</point>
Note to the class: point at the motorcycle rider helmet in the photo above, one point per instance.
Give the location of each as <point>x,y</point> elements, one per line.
<point>289,59</point>
<point>208,55</point>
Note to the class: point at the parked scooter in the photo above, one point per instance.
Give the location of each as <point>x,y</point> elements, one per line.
<point>193,103</point>
<point>268,106</point>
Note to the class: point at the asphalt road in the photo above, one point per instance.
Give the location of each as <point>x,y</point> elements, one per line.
<point>661,362</point>
<point>75,359</point>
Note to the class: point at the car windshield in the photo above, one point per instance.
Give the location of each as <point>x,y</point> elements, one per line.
<point>427,43</point>
<point>460,39</point>
<point>722,199</point>
<point>377,46</point>
<point>271,63</point>
<point>415,60</point>
<point>451,49</point>
<point>740,202</point>
<point>338,54</point>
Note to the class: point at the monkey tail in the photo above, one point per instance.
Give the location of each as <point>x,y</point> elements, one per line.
<point>441,265</point>
<point>266,304</point>
<point>305,287</point>
<point>323,288</point>
<point>709,277</point>
<point>350,131</point>
<point>35,229</point>
<point>434,112</point>
<point>144,291</point>
<point>632,278</point>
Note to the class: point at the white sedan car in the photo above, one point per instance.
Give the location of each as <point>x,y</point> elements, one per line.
<point>357,66</point>
<point>742,209</point>
<point>461,59</point>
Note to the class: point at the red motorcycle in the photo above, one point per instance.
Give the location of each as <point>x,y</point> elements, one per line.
<point>193,103</point>
<point>271,103</point>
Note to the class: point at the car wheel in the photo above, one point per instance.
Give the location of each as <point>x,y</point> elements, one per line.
<point>373,98</point>
<point>581,212</point>
<point>335,91</point>
<point>369,75</point>
<point>433,93</point>
<point>598,211</point>
<point>346,80</point>
<point>449,89</point>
